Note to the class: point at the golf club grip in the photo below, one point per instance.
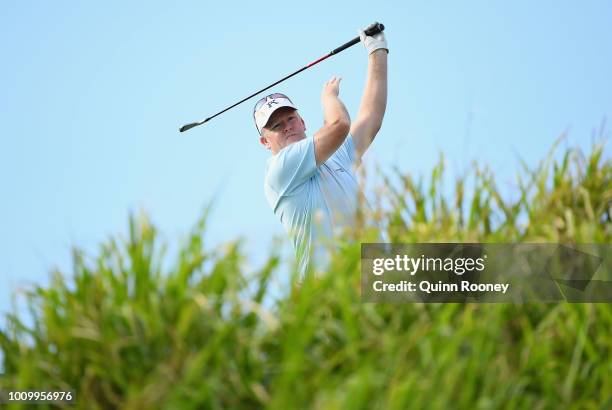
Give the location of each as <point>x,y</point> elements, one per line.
<point>375,29</point>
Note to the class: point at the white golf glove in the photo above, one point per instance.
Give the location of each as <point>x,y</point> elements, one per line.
<point>373,43</point>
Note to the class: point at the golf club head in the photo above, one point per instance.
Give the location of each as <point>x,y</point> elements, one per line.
<point>191,125</point>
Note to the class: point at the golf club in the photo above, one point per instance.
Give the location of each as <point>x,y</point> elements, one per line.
<point>374,29</point>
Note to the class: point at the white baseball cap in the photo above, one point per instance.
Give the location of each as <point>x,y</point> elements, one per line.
<point>267,105</point>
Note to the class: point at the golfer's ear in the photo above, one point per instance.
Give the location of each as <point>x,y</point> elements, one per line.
<point>303,123</point>
<point>263,141</point>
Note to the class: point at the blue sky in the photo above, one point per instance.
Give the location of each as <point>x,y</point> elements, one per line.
<point>92,95</point>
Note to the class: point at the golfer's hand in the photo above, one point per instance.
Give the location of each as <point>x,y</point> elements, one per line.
<point>332,87</point>
<point>333,109</point>
<point>375,42</point>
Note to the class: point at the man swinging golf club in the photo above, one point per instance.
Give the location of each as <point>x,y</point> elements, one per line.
<point>310,183</point>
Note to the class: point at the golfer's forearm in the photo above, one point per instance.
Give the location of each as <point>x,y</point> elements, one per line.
<point>374,100</point>
<point>334,111</point>
<point>335,128</point>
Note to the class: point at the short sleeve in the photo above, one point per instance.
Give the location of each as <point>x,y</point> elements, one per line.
<point>347,154</point>
<point>291,167</point>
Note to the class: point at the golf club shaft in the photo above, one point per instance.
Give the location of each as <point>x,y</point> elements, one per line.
<point>377,28</point>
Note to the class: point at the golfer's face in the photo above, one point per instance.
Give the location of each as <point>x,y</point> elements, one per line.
<point>284,127</point>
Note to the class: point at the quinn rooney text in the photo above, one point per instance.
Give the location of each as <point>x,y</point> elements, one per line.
<point>430,287</point>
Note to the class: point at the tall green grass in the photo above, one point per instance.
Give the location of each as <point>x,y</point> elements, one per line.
<point>125,331</point>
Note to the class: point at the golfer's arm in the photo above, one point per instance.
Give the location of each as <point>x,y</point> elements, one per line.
<point>335,128</point>
<point>373,103</point>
